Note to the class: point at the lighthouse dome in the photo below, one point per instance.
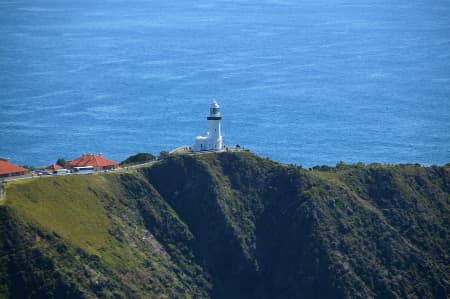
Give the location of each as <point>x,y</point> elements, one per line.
<point>214,104</point>
<point>214,111</point>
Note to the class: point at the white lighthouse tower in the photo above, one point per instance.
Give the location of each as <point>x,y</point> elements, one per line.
<point>213,139</point>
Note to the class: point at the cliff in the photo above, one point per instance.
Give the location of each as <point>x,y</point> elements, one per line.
<point>229,225</point>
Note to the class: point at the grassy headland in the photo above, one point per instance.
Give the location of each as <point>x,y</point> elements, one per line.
<point>229,225</point>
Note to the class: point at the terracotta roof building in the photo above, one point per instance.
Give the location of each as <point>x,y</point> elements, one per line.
<point>54,167</point>
<point>7,169</point>
<point>97,161</point>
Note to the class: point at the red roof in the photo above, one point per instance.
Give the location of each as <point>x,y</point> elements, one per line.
<point>6,168</point>
<point>91,160</point>
<point>54,167</point>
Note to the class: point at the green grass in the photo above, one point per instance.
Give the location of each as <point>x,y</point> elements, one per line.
<point>65,206</point>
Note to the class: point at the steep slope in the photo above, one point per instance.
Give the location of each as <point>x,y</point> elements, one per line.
<point>278,231</point>
<point>229,225</point>
<point>91,231</point>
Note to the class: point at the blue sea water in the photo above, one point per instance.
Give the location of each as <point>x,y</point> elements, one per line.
<point>305,82</point>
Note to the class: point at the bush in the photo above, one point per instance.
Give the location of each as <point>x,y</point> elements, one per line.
<point>138,158</point>
<point>163,155</point>
<point>62,162</point>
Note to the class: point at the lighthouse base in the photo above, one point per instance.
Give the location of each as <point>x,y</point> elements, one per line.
<point>203,143</point>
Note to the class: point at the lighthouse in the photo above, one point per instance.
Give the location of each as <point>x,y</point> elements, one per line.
<point>213,139</point>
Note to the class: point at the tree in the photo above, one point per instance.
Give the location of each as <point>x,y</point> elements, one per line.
<point>139,158</point>
<point>61,162</point>
<point>163,155</point>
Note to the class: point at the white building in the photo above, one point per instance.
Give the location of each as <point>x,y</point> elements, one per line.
<point>213,138</point>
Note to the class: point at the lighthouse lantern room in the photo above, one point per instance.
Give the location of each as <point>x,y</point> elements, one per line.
<point>213,139</point>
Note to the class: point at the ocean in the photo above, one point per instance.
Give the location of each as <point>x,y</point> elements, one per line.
<point>301,82</point>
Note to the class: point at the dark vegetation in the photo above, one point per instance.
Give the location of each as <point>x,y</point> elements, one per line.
<point>138,159</point>
<point>62,162</point>
<point>229,225</point>
<point>163,155</point>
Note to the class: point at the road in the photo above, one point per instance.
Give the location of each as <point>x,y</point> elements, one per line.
<point>118,169</point>
<point>33,176</point>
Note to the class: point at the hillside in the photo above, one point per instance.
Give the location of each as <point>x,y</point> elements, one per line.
<point>229,225</point>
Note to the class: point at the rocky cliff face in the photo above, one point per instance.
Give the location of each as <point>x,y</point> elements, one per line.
<point>229,225</point>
